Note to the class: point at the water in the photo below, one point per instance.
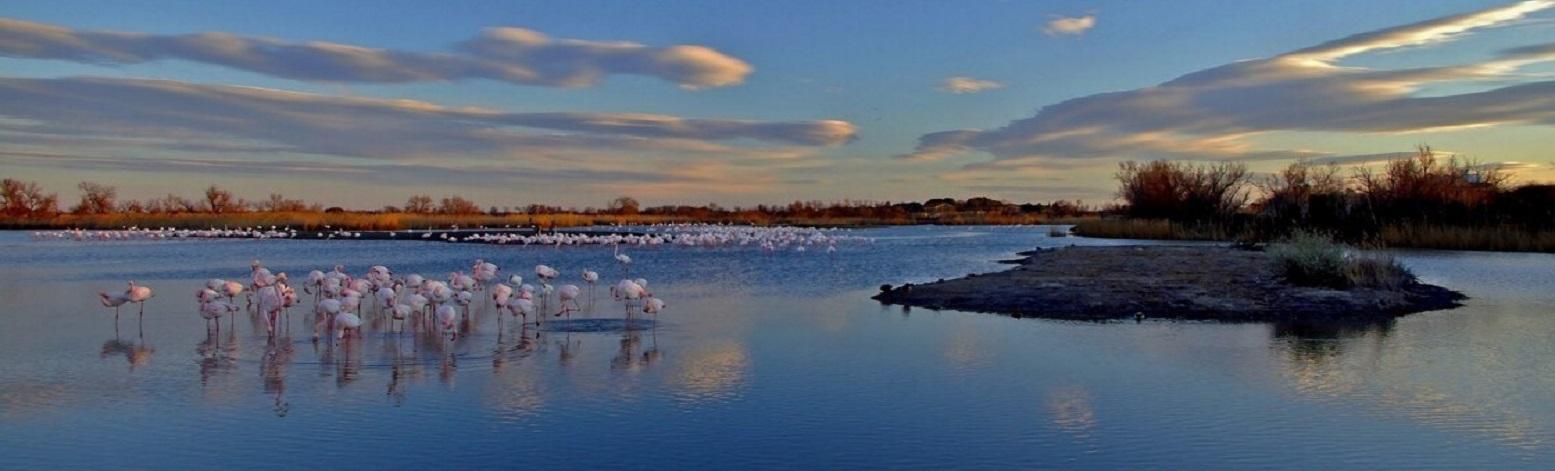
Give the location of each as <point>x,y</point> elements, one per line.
<point>761,361</point>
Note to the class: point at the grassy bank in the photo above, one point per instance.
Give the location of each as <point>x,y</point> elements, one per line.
<point>1503,239</point>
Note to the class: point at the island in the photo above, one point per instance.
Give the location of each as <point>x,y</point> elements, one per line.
<point>1175,282</point>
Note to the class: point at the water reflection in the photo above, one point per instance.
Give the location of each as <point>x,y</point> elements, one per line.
<point>1072,412</point>
<point>713,372</point>
<point>218,355</point>
<point>273,367</point>
<point>1354,363</point>
<point>136,353</point>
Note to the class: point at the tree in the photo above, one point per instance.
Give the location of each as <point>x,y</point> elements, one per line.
<point>26,199</point>
<point>278,203</point>
<point>220,201</point>
<point>96,198</point>
<point>458,205</point>
<point>420,204</point>
<point>1182,191</point>
<point>624,205</point>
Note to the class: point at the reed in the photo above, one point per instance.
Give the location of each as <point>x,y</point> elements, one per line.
<point>1494,238</point>
<point>1152,229</point>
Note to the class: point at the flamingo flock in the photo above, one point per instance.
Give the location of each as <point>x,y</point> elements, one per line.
<point>338,298</point>
<point>770,239</point>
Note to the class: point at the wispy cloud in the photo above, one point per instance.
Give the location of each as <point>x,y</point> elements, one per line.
<point>962,84</point>
<point>507,54</point>
<point>171,126</point>
<point>1069,25</point>
<point>1213,113</point>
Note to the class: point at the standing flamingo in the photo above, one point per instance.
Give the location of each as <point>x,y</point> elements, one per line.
<point>567,295</point>
<point>591,277</point>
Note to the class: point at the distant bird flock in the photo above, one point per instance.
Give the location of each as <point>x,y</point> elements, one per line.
<point>686,235</point>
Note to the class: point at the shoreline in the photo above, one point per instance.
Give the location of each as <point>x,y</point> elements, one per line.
<point>1171,282</point>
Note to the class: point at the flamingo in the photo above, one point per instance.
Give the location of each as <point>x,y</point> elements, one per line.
<point>347,321</point>
<point>213,310</point>
<point>522,307</point>
<point>325,311</point>
<point>501,294</point>
<point>625,261</point>
<point>627,291</point>
<point>591,277</point>
<point>114,301</point>
<point>565,295</point>
<point>271,302</point>
<point>401,312</point>
<point>653,305</point>
<point>449,319</point>
<point>231,289</point>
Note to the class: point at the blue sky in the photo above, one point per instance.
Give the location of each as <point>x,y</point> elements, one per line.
<point>859,85</point>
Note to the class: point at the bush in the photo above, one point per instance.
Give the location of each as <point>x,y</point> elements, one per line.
<point>1377,271</point>
<point>1311,259</point>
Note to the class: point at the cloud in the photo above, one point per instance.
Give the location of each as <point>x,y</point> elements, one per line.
<point>507,54</point>
<point>1214,113</point>
<point>1069,26</point>
<point>372,128</point>
<point>160,125</point>
<point>962,84</point>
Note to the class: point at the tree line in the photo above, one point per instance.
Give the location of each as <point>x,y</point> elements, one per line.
<point>26,199</point>
<point>1423,189</point>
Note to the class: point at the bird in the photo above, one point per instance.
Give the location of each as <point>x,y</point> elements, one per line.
<point>137,294</point>
<point>231,289</point>
<point>347,321</point>
<point>501,294</point>
<point>567,295</point>
<point>521,307</point>
<point>324,312</point>
<point>653,305</point>
<point>591,277</point>
<point>213,310</point>
<point>114,301</point>
<point>627,291</point>
<point>401,312</point>
<point>449,319</point>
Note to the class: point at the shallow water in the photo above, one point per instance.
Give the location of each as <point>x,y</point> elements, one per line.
<point>761,360</point>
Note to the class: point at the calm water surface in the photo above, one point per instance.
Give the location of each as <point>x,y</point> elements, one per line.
<point>762,360</point>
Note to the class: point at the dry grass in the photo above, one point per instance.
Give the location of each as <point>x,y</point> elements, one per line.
<point>1153,229</point>
<point>1504,239</point>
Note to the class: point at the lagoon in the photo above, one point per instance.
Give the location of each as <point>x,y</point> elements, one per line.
<point>763,360</point>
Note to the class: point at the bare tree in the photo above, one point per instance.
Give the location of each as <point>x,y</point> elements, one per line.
<point>220,201</point>
<point>458,205</point>
<point>420,204</point>
<point>278,203</point>
<point>96,198</point>
<point>26,199</point>
<point>624,205</point>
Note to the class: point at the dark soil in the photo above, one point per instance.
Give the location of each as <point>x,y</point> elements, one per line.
<point>1198,282</point>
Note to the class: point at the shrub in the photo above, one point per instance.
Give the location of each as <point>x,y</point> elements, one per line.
<point>1310,259</point>
<point>1377,271</point>
<point>1313,259</point>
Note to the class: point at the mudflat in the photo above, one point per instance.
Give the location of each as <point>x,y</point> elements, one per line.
<point>1180,282</point>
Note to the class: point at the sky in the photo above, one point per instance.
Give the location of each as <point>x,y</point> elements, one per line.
<point>361,104</point>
